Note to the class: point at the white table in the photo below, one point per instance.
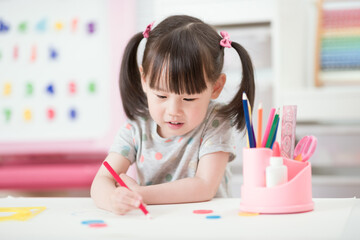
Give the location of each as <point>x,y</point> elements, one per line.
<point>62,219</point>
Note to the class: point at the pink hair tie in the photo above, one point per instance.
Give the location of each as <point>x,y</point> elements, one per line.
<point>225,42</point>
<point>147,30</point>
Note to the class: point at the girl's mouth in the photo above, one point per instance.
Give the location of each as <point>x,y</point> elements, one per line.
<point>175,125</point>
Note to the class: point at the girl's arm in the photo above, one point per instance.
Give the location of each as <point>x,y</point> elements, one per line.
<point>106,194</point>
<point>202,187</point>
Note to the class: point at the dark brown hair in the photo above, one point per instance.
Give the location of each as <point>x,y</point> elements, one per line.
<point>190,52</point>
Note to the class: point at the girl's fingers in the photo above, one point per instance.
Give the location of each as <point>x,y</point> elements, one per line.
<point>122,209</point>
<point>125,200</point>
<point>128,197</point>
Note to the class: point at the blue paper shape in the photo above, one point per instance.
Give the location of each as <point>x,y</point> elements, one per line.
<point>53,53</point>
<point>50,89</point>
<point>3,26</point>
<point>41,25</point>
<point>73,113</point>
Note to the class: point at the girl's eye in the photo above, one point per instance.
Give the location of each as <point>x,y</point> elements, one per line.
<point>189,99</point>
<point>160,96</point>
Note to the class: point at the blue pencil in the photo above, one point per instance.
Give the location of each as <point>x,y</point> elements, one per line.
<point>253,134</point>
<point>251,123</point>
<point>247,120</point>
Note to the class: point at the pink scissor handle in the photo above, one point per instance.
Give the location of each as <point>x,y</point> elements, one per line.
<point>306,147</point>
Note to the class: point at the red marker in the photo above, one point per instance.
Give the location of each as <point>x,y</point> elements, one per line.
<point>121,182</point>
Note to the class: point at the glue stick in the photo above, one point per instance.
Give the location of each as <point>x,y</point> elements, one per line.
<point>276,172</point>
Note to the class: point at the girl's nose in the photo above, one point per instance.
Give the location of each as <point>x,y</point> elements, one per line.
<point>174,107</point>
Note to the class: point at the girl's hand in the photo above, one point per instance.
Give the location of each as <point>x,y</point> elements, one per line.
<point>123,199</point>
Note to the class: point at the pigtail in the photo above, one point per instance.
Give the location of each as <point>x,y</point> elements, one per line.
<point>235,108</point>
<point>132,95</point>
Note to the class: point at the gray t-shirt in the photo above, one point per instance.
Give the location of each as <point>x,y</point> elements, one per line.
<point>159,160</point>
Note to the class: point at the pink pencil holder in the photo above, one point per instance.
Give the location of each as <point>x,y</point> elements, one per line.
<point>291,197</point>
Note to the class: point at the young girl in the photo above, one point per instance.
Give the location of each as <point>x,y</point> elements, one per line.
<point>178,138</point>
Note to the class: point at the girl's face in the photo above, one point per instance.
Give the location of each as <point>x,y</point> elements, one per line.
<point>177,114</point>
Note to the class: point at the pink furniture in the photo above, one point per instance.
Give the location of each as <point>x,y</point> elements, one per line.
<point>52,172</point>
<point>49,174</point>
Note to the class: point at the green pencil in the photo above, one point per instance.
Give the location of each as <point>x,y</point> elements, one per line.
<point>273,130</point>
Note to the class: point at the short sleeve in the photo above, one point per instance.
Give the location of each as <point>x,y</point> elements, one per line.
<point>217,137</point>
<point>125,143</point>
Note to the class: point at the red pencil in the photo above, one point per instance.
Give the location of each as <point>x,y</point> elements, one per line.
<point>121,182</point>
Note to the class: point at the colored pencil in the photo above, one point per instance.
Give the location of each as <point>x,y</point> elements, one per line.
<point>268,127</point>
<point>253,135</point>
<point>259,132</point>
<point>246,132</point>
<point>273,129</point>
<point>247,120</point>
<point>251,122</point>
<point>247,140</point>
<point>276,130</point>
<point>121,182</point>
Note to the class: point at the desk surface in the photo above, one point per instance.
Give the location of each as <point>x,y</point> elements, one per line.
<point>63,217</point>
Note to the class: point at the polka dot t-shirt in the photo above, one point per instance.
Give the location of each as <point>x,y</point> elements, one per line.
<point>159,160</point>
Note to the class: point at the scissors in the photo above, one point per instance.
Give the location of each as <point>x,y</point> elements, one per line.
<point>305,148</point>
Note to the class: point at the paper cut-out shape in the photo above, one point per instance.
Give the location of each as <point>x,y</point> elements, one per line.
<point>7,89</point>
<point>203,211</point>
<point>41,25</point>
<point>29,89</point>
<point>213,217</point>
<point>59,25</point>
<point>91,27</point>
<point>74,25</point>
<point>53,53</point>
<point>97,225</point>
<point>3,26</point>
<point>72,88</point>
<point>23,27</point>
<point>94,223</point>
<point>50,89</point>
<point>33,53</point>
<point>248,214</point>
<point>92,87</point>
<point>16,52</point>
<point>7,113</point>
<point>51,113</point>
<point>73,113</point>
<point>27,115</point>
<point>20,213</point>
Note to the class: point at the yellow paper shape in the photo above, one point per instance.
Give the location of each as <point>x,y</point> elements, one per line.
<point>59,25</point>
<point>7,89</point>
<point>248,214</point>
<point>27,115</point>
<point>20,213</point>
